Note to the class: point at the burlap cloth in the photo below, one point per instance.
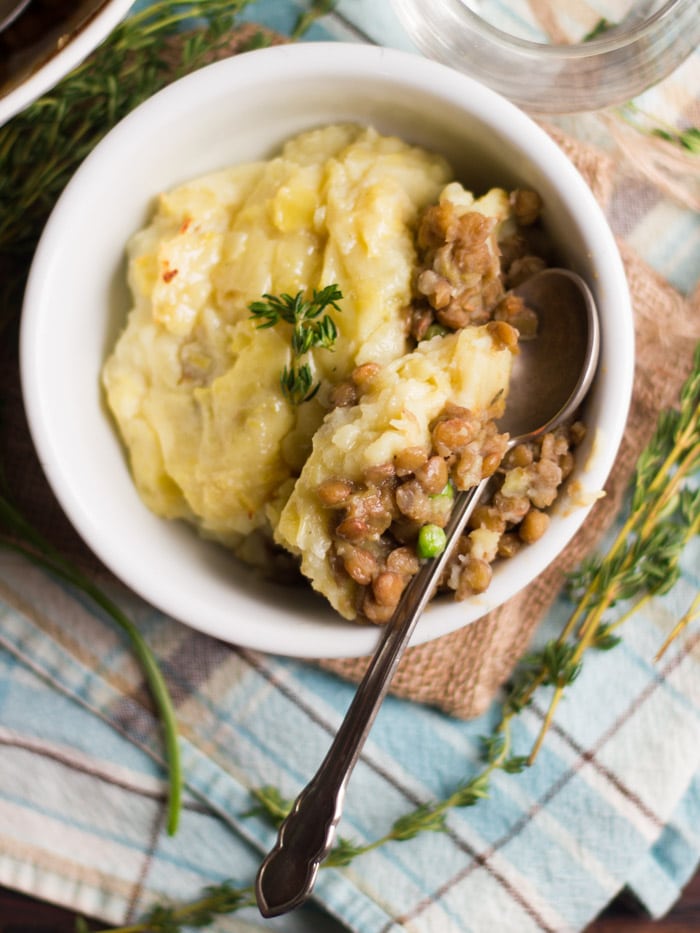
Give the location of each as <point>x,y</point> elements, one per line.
<point>460,672</point>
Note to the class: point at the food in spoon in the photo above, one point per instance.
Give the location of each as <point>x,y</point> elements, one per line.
<point>334,319</point>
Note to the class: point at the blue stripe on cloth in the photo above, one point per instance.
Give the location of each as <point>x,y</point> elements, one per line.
<point>660,875</point>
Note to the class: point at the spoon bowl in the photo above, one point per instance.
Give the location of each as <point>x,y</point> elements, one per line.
<point>552,375</point>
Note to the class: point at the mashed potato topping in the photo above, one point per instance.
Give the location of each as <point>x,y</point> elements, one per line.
<point>409,388</point>
<point>193,385</point>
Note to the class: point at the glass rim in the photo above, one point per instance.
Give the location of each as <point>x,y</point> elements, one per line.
<point>603,71</point>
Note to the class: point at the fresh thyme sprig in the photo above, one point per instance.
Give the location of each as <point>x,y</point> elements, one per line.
<point>216,900</point>
<point>643,560</point>
<point>41,147</point>
<point>309,329</point>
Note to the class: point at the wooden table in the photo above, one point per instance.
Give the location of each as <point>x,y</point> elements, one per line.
<point>20,914</point>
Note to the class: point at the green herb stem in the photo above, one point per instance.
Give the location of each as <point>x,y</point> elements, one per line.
<point>688,617</point>
<point>305,20</point>
<point>684,138</point>
<point>657,529</point>
<point>28,542</point>
<point>217,901</point>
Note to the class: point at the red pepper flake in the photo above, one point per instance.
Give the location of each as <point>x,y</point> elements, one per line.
<point>186,224</point>
<point>169,274</point>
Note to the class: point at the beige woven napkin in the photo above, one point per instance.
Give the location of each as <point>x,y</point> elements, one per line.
<point>460,672</point>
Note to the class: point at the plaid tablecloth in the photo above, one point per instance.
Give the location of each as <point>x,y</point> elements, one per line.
<point>613,801</point>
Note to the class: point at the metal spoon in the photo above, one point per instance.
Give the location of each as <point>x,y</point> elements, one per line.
<point>10,10</point>
<point>550,377</point>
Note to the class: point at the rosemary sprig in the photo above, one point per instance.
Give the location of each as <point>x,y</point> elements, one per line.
<point>17,534</point>
<point>309,329</point>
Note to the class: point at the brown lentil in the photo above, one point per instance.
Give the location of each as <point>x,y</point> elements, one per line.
<point>377,475</point>
<point>433,475</point>
<point>335,492</point>
<point>403,560</point>
<point>508,545</point>
<point>577,432</point>
<point>486,516</point>
<point>452,434</point>
<point>520,456</point>
<point>343,395</point>
<point>409,460</point>
<point>360,564</point>
<point>504,335</point>
<point>353,529</point>
<point>524,268</point>
<point>526,205</point>
<point>474,578</point>
<point>533,526</point>
<point>388,587</point>
<point>364,374</point>
<point>412,500</point>
<point>375,612</point>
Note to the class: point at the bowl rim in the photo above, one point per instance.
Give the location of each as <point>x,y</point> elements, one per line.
<point>58,63</point>
<point>346,61</point>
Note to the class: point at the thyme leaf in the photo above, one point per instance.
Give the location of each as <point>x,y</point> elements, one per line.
<point>217,900</point>
<point>271,804</point>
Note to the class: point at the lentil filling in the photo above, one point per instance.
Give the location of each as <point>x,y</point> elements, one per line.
<point>379,524</point>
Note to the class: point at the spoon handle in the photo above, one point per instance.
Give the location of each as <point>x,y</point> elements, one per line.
<point>288,873</point>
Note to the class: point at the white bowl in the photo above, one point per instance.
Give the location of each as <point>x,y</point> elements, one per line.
<point>76,301</point>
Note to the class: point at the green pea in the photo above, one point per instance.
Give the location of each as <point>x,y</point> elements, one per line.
<point>446,493</point>
<point>435,330</point>
<point>431,541</point>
